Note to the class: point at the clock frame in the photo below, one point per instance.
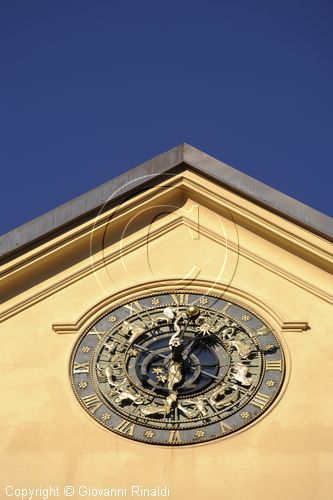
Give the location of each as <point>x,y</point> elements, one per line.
<point>155,372</point>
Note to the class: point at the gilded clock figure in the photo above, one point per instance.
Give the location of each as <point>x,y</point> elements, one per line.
<point>177,368</point>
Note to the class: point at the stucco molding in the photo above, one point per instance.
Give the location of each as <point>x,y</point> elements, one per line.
<point>264,310</point>
<point>134,245</point>
<point>163,228</point>
<point>300,240</point>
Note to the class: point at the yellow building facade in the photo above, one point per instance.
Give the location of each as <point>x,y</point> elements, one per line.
<point>181,222</point>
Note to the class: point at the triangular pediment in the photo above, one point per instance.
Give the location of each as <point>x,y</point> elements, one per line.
<point>183,188</point>
<point>183,200</point>
<point>158,169</point>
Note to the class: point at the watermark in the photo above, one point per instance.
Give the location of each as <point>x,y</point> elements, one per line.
<point>164,235</point>
<point>44,493</point>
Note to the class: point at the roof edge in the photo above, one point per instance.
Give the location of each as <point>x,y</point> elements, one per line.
<point>86,203</point>
<point>270,198</point>
<point>131,180</point>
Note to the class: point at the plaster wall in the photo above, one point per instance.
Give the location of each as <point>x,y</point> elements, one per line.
<point>47,438</point>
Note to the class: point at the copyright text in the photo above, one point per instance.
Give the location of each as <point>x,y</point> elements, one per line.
<point>44,493</point>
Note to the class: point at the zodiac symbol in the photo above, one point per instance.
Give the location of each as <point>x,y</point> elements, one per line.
<point>196,407</point>
<point>240,373</point>
<point>224,396</point>
<point>158,410</point>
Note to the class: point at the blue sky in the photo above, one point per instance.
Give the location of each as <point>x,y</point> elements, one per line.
<point>91,89</point>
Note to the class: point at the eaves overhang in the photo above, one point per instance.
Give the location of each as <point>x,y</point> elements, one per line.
<point>160,167</point>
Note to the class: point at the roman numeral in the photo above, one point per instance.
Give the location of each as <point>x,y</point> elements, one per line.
<point>95,332</point>
<point>174,437</point>
<point>225,427</point>
<point>125,427</point>
<point>180,299</point>
<point>274,365</point>
<point>263,330</point>
<point>225,307</point>
<point>92,402</point>
<point>81,367</point>
<point>260,400</point>
<point>134,307</point>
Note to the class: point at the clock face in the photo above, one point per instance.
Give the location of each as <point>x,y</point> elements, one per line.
<point>177,368</point>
